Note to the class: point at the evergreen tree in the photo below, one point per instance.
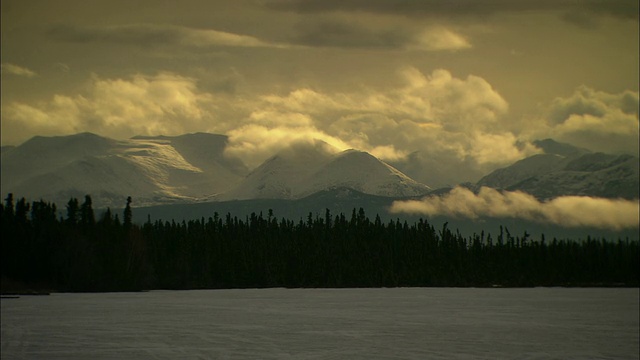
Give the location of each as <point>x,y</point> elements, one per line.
<point>127,214</point>
<point>8,207</point>
<point>72,211</point>
<point>22,209</point>
<point>87,217</point>
<point>76,255</point>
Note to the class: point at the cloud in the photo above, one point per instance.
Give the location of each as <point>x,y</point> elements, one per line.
<point>439,129</point>
<point>595,120</point>
<point>17,70</point>
<point>152,35</point>
<point>625,9</point>
<point>438,38</point>
<point>351,35</point>
<point>457,125</point>
<point>329,33</point>
<point>255,143</point>
<point>165,103</point>
<point>566,211</point>
<point>438,99</point>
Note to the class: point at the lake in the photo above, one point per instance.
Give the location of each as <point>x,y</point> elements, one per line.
<point>399,323</point>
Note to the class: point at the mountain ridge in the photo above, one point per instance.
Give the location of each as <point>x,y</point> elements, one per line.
<point>185,168</point>
<point>148,168</point>
<point>291,174</point>
<point>568,170</point>
<point>192,168</point>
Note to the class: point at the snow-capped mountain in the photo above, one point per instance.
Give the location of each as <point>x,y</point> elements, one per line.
<point>308,168</point>
<point>194,167</point>
<point>152,169</point>
<point>187,168</point>
<point>567,170</point>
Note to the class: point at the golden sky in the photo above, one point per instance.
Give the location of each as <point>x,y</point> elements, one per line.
<point>452,88</point>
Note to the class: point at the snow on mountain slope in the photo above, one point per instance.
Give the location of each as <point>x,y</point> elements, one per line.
<point>40,155</point>
<point>555,157</point>
<point>283,176</point>
<point>192,165</point>
<point>150,169</point>
<point>364,172</point>
<point>108,179</point>
<point>307,169</point>
<point>205,151</point>
<point>161,169</point>
<point>567,170</point>
<point>523,169</point>
<point>617,177</point>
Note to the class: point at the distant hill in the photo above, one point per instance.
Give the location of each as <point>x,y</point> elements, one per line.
<point>345,200</point>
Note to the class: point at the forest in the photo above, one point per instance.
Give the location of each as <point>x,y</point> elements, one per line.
<point>45,250</point>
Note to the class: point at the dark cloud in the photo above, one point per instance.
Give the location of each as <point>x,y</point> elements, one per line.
<point>146,35</point>
<point>330,33</point>
<point>619,8</point>
<point>339,34</point>
<point>143,35</point>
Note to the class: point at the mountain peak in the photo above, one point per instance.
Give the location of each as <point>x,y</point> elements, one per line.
<point>152,169</point>
<point>302,170</point>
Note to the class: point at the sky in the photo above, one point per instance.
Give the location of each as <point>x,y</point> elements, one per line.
<point>445,90</point>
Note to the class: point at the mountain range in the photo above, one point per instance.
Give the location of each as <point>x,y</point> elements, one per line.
<point>187,168</point>
<point>153,170</point>
<point>194,168</point>
<point>566,170</point>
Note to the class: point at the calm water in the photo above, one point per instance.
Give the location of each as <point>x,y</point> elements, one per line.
<point>413,323</point>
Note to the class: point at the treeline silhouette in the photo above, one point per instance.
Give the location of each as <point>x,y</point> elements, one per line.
<point>78,252</point>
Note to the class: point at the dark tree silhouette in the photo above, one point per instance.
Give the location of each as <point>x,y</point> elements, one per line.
<point>127,214</point>
<point>80,254</point>
<point>87,217</point>
<point>72,211</point>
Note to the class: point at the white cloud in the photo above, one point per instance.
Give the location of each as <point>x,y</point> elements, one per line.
<point>458,125</point>
<point>567,211</point>
<point>17,70</point>
<point>141,105</point>
<point>255,143</point>
<point>207,37</point>
<point>595,120</point>
<point>437,39</point>
<point>375,34</point>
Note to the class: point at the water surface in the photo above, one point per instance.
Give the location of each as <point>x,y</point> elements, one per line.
<point>405,323</point>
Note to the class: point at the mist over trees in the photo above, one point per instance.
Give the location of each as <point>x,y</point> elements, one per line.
<point>79,252</point>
